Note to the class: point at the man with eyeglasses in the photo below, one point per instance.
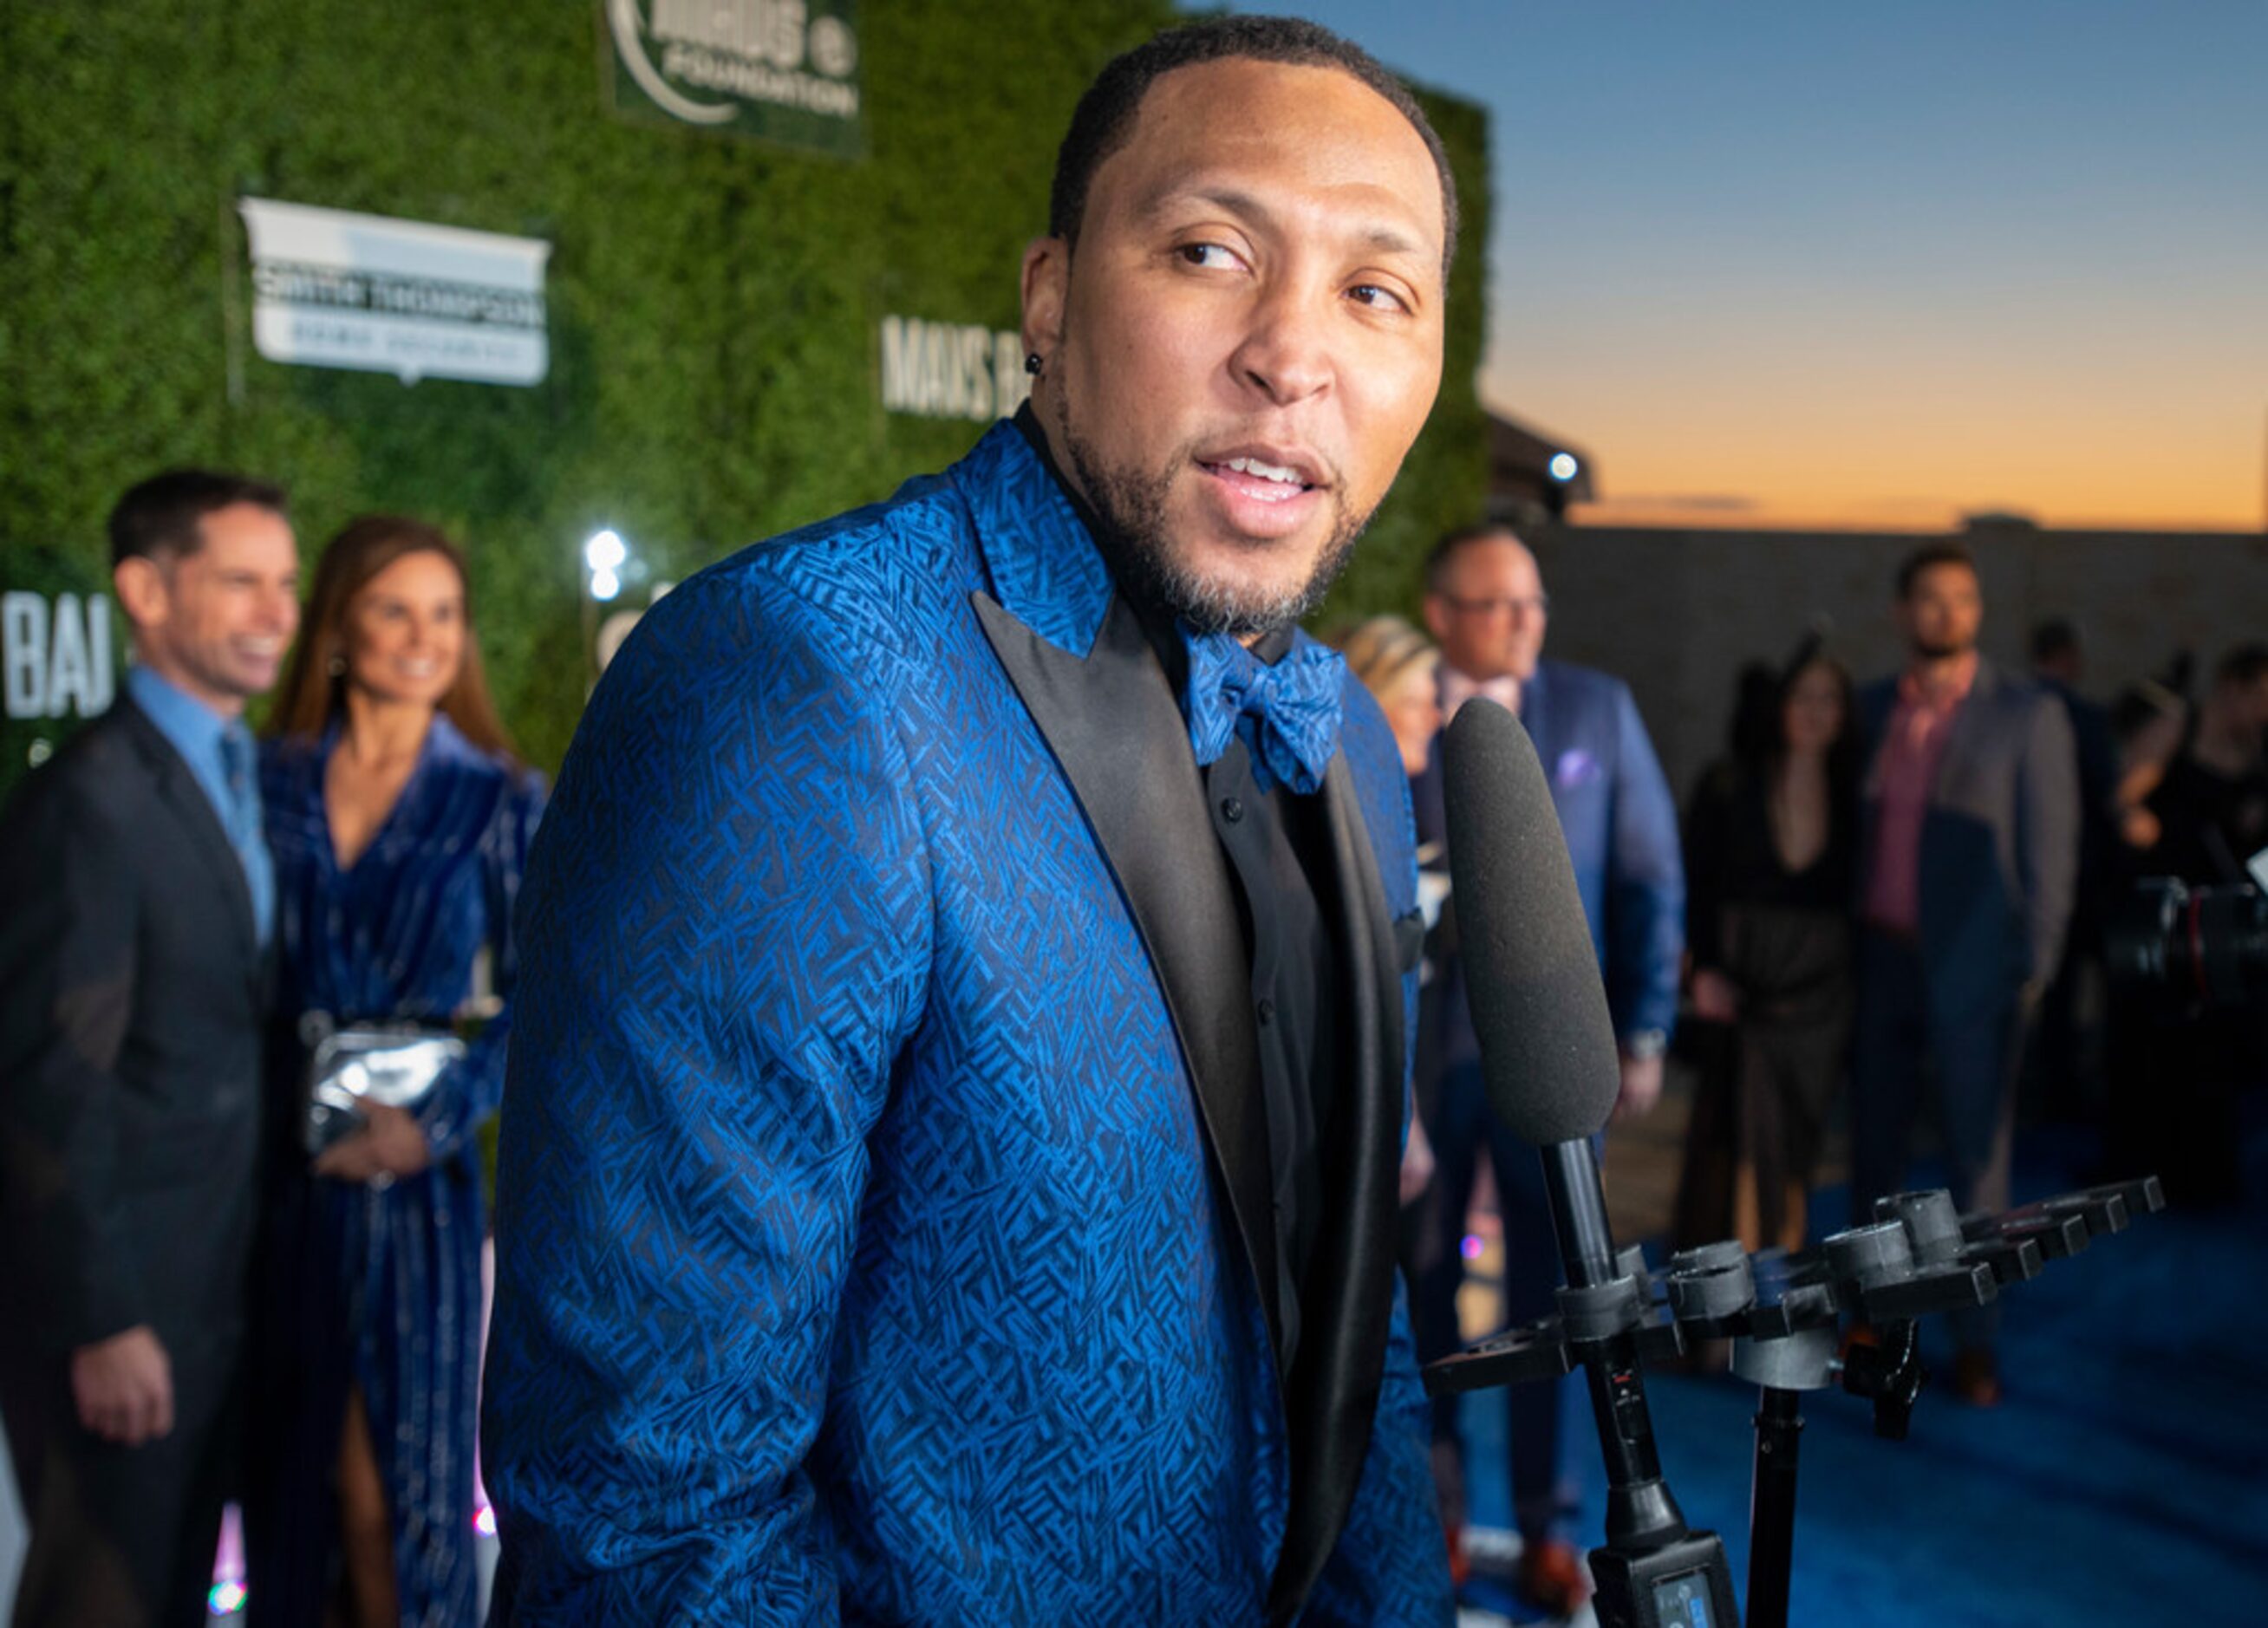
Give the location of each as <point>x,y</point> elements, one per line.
<point>1485,604</point>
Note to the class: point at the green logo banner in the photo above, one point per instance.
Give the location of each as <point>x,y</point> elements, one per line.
<point>781,70</point>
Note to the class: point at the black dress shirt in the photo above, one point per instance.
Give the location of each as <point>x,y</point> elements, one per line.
<point>1278,849</point>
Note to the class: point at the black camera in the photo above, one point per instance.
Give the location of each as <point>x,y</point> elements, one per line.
<point>2208,944</point>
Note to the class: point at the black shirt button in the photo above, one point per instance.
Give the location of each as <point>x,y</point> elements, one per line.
<point>1232,809</point>
<point>1266,1010</point>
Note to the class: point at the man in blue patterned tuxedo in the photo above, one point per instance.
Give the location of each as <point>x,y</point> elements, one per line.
<point>948,1167</point>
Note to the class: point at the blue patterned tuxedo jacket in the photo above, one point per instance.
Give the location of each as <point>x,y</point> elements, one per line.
<point>884,1183</point>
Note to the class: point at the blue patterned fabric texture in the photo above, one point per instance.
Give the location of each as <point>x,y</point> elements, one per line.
<point>374,1287</point>
<point>1286,714</point>
<point>859,1256</point>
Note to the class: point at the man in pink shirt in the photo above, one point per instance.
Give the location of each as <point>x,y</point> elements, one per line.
<point>1968,850</point>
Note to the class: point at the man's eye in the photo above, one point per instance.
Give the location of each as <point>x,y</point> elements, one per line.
<point>1212,256</point>
<point>1383,299</point>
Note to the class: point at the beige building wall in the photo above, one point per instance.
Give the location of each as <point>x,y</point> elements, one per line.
<point>1676,613</point>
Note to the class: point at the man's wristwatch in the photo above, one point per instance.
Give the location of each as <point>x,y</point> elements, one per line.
<point>1643,1045</point>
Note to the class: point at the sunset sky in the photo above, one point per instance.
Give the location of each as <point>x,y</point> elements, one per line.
<point>1875,266</point>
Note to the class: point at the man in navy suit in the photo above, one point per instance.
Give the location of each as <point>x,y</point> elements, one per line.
<point>1968,846</point>
<point>1485,604</point>
<point>949,1169</point>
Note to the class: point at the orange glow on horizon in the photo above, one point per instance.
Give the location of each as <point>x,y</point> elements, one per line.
<point>1907,455</point>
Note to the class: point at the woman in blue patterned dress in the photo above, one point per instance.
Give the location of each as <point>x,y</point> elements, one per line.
<point>400,824</point>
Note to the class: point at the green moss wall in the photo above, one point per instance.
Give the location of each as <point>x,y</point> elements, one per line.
<point>715,303</point>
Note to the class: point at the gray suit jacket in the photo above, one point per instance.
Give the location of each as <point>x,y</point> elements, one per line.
<point>1999,847</point>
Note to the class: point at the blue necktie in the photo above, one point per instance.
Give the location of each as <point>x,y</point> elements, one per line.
<point>1288,715</point>
<point>240,761</point>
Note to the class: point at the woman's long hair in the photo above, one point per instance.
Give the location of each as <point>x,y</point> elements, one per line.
<point>314,685</point>
<point>1759,734</point>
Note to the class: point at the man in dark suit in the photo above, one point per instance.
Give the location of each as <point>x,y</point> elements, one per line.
<point>132,975</point>
<point>1969,848</point>
<point>1485,604</point>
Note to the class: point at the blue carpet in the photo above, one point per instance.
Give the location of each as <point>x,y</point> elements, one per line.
<point>2124,1481</point>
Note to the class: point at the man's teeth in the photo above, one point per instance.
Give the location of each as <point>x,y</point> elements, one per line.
<point>1265,471</point>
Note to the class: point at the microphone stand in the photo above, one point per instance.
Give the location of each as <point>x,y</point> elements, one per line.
<point>1652,1571</point>
<point>1784,1314</point>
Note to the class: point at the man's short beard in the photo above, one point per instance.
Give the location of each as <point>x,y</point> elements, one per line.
<point>1132,507</point>
<point>1942,650</point>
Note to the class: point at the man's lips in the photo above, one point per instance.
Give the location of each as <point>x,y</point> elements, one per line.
<point>1262,464</point>
<point>1266,489</point>
<point>1261,497</point>
<point>1254,488</point>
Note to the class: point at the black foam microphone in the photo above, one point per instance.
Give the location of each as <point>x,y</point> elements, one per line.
<point>1539,1008</point>
<point>1547,1056</point>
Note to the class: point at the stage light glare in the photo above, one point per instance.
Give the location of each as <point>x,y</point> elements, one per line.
<point>225,1600</point>
<point>604,584</point>
<point>484,1522</point>
<point>1563,466</point>
<point>605,552</point>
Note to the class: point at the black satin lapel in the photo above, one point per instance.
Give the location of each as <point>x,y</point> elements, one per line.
<point>1117,732</point>
<point>177,785</point>
<point>1347,1302</point>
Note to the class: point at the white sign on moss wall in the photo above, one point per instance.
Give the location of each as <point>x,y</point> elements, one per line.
<point>335,289</point>
<point>55,655</point>
<point>785,70</point>
<point>951,369</point>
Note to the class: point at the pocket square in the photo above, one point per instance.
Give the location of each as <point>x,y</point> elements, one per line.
<point>1574,767</point>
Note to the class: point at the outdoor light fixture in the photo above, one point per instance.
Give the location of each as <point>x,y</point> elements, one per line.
<point>605,554</point>
<point>1563,466</point>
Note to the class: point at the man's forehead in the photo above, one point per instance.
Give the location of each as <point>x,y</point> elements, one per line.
<point>243,530</point>
<point>1202,129</point>
<point>1496,554</point>
<point>1945,577</point>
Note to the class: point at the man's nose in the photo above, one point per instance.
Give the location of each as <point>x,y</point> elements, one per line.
<point>1286,352</point>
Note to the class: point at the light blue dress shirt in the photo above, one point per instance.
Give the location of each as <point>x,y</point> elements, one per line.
<point>220,753</point>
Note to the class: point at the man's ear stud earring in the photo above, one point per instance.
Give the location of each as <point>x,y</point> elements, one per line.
<point>1032,364</point>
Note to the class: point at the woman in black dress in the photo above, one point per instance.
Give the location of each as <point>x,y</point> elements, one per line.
<point>1768,863</point>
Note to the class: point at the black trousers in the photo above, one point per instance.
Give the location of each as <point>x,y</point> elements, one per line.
<point>1965,1067</point>
<point>1544,1488</point>
<point>121,1537</point>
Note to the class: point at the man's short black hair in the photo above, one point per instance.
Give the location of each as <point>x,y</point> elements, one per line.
<point>1929,557</point>
<point>162,518</point>
<point>2054,639</point>
<point>2247,663</point>
<point>1437,563</point>
<point>1105,116</point>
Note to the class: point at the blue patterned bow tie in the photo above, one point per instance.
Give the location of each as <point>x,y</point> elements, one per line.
<point>1288,715</point>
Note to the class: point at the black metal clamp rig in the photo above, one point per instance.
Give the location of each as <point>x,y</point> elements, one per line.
<point>1784,1314</point>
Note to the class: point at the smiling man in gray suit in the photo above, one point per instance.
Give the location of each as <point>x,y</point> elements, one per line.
<point>1969,851</point>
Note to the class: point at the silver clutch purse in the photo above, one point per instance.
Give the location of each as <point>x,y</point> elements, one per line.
<point>392,1063</point>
